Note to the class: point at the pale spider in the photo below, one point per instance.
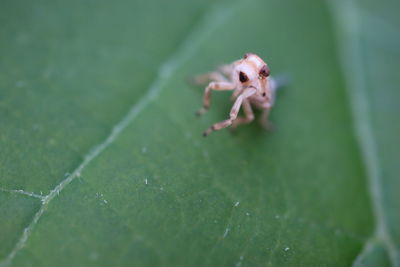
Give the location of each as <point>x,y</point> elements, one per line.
<point>250,80</point>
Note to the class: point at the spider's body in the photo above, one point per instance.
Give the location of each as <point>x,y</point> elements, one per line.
<point>250,80</point>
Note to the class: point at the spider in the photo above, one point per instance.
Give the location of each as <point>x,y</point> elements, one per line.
<point>250,80</point>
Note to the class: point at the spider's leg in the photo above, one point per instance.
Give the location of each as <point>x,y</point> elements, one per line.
<point>218,126</point>
<point>233,114</point>
<point>226,69</point>
<point>218,86</point>
<point>265,104</point>
<point>264,121</point>
<point>248,112</point>
<point>211,76</point>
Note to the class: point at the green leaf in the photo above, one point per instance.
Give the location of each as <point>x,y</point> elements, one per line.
<point>368,43</point>
<point>103,162</point>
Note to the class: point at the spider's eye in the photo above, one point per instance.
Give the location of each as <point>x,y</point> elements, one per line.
<point>247,55</point>
<point>264,71</point>
<point>243,77</point>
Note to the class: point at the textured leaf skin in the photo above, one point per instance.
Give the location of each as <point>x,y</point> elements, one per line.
<point>157,193</point>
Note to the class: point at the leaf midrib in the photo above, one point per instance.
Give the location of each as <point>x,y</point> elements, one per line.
<point>347,27</point>
<point>166,70</point>
<point>211,19</point>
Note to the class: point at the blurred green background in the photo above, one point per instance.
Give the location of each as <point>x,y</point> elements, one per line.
<point>102,161</point>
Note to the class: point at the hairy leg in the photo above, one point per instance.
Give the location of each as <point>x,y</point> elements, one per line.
<point>264,120</point>
<point>218,86</point>
<point>233,114</point>
<point>248,112</point>
<point>211,76</point>
<point>226,69</point>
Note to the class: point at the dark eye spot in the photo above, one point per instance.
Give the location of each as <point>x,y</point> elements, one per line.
<point>264,94</point>
<point>243,77</point>
<point>247,55</point>
<point>264,71</point>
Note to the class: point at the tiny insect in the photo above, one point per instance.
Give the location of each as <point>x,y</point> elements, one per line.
<point>249,79</point>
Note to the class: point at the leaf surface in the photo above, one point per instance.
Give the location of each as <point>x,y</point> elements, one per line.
<point>105,136</point>
<point>368,38</point>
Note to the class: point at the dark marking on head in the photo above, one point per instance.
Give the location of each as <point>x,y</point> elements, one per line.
<point>247,55</point>
<point>265,72</point>
<point>264,94</point>
<point>243,77</point>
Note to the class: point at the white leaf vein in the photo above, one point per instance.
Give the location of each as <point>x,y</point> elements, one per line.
<point>216,15</point>
<point>347,19</point>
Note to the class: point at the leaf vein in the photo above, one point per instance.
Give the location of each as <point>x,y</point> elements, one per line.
<point>22,192</point>
<point>213,17</point>
<point>346,16</point>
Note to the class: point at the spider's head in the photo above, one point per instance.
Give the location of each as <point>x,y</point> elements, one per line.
<point>252,71</point>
